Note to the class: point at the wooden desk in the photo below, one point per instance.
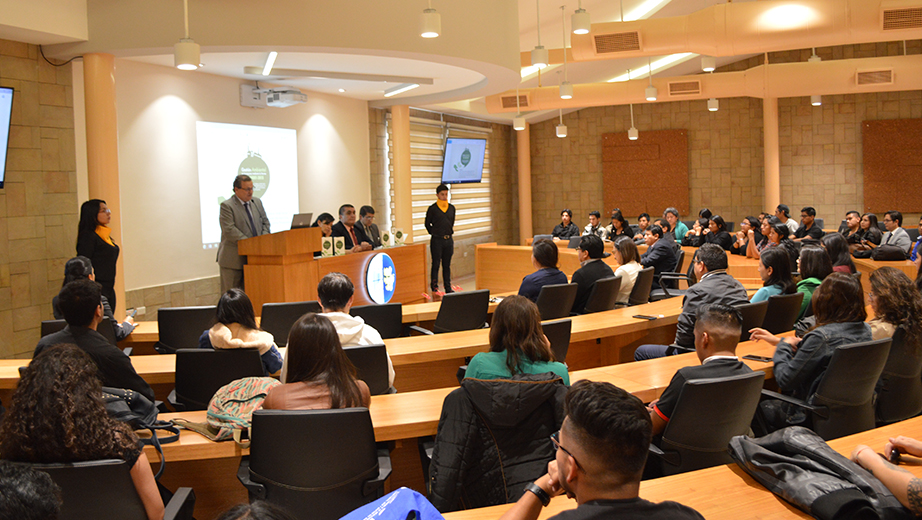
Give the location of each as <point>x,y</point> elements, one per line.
<point>501,268</point>
<point>866,266</point>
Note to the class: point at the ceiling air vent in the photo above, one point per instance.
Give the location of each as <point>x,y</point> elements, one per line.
<point>684,88</point>
<point>901,18</point>
<point>509,101</point>
<point>617,42</point>
<point>874,77</point>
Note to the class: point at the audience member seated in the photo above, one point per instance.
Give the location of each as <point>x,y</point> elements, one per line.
<point>808,228</point>
<point>837,248</point>
<point>81,303</point>
<point>714,286</point>
<point>744,237</point>
<point>336,294</point>
<point>696,236</point>
<point>325,223</point>
<point>235,327</point>
<point>619,226</point>
<point>356,239</point>
<point>668,236</point>
<point>904,486</point>
<point>895,235</point>
<point>777,238</point>
<point>754,248</point>
<point>27,493</point>
<point>643,222</point>
<point>517,344</point>
<point>717,233</point>
<point>595,226</point>
<point>704,213</point>
<point>625,253</point>
<point>783,213</point>
<point>544,255</point>
<point>814,266</point>
<point>915,251</point>
<point>320,376</point>
<point>590,253</point>
<point>81,268</point>
<point>566,228</point>
<point>870,231</point>
<point>660,254</point>
<point>601,451</point>
<point>897,304</point>
<point>851,227</point>
<point>717,332</point>
<point>679,229</point>
<point>258,510</point>
<point>367,224</point>
<point>58,416</point>
<point>799,363</point>
<point>775,271</point>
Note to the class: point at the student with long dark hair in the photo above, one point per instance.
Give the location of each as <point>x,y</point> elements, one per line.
<point>517,344</point>
<point>236,327</point>
<point>619,225</point>
<point>814,266</point>
<point>625,253</point>
<point>870,230</point>
<point>79,268</point>
<point>837,248</point>
<point>775,271</point>
<point>319,376</point>
<point>325,222</point>
<point>897,305</point>
<point>544,255</point>
<point>94,241</point>
<point>718,233</point>
<point>743,236</point>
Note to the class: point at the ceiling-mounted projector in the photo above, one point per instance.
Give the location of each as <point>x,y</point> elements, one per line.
<point>251,96</point>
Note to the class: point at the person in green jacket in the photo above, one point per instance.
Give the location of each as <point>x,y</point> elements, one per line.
<point>814,266</point>
<point>679,229</point>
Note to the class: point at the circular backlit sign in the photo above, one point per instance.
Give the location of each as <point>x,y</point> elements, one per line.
<point>380,278</point>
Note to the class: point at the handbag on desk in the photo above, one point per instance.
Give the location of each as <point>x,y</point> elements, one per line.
<point>138,412</point>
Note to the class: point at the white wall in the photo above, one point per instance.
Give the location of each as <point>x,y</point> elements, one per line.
<point>157,110</point>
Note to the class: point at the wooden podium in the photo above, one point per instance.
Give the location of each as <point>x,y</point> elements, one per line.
<point>281,268</point>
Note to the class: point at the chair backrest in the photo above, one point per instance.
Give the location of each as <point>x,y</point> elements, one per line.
<point>640,294</point>
<point>52,326</point>
<point>464,310</point>
<point>105,328</point>
<point>679,258</point>
<point>202,372</point>
<point>573,243</point>
<point>913,234</point>
<point>708,413</point>
<point>558,333</point>
<point>604,295</point>
<point>277,318</point>
<point>753,316</point>
<point>371,366</point>
<point>180,327</point>
<point>900,395</point>
<point>387,319</point>
<point>555,301</point>
<point>782,312</point>
<point>96,489</point>
<point>314,463</point>
<point>819,222</point>
<point>542,237</point>
<point>845,393</point>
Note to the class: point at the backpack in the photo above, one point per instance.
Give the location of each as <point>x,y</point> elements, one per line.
<point>231,409</point>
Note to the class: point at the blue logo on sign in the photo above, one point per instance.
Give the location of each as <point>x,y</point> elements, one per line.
<point>380,278</point>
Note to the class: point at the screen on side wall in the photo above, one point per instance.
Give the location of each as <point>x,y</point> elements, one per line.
<point>463,160</point>
<point>268,155</point>
<point>6,112</point>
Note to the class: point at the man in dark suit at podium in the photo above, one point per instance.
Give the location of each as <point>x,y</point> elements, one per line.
<point>356,240</point>
<point>242,216</point>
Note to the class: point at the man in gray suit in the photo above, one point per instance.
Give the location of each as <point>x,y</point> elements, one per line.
<point>242,216</point>
<point>367,224</point>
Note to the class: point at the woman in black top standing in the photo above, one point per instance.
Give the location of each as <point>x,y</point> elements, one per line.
<point>440,223</point>
<point>94,242</point>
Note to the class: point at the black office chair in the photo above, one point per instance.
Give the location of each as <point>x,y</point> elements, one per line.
<point>573,243</point>
<point>603,295</point>
<point>318,464</point>
<point>900,395</point>
<point>387,319</point>
<point>782,312</point>
<point>669,282</point>
<point>277,318</point>
<point>753,316</point>
<point>371,366</point>
<point>181,327</point>
<point>104,489</point>
<point>707,415</point>
<point>542,237</point>
<point>843,401</point>
<point>556,301</point>
<point>465,310</point>
<point>558,333</point>
<point>202,372</point>
<point>640,294</point>
<point>105,328</point>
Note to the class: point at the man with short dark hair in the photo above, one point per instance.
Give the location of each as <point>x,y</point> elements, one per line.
<point>783,212</point>
<point>81,303</point>
<point>808,228</point>
<point>242,216</point>
<point>440,223</point>
<point>367,224</point>
<point>660,253</point>
<point>714,286</point>
<point>356,240</point>
<point>595,226</point>
<point>601,451</point>
<point>850,225</point>
<point>591,251</point>
<point>566,228</point>
<point>895,235</point>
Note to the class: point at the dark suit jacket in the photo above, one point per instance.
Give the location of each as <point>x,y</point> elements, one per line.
<point>585,277</point>
<point>372,232</point>
<point>339,230</point>
<point>660,256</point>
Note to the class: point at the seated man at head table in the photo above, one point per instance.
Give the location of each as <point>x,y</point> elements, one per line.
<point>717,332</point>
<point>591,251</point>
<point>601,451</point>
<point>367,224</point>
<point>660,253</point>
<point>906,487</point>
<point>81,303</point>
<point>356,239</point>
<point>336,294</point>
<point>714,286</point>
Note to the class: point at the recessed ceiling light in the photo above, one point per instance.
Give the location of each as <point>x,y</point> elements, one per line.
<point>342,90</point>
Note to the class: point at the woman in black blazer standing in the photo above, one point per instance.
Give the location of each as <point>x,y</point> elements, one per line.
<point>94,242</point>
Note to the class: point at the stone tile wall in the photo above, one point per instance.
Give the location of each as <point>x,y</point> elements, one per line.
<point>204,291</point>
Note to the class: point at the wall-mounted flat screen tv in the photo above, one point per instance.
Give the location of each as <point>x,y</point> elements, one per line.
<point>6,112</point>
<point>463,161</point>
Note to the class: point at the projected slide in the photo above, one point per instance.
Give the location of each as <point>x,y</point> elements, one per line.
<point>6,110</point>
<point>268,155</point>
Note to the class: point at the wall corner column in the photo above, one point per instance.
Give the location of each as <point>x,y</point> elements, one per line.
<point>523,147</point>
<point>771,153</point>
<point>403,194</point>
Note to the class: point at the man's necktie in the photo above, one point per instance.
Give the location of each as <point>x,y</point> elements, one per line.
<point>888,238</point>
<point>355,241</point>
<point>246,206</point>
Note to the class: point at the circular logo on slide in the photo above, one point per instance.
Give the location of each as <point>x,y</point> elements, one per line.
<point>258,170</point>
<point>380,278</point>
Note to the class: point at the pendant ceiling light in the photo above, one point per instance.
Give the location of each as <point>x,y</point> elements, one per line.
<point>566,88</point>
<point>186,53</point>
<point>708,63</point>
<point>539,56</point>
<point>651,92</point>
<point>579,20</point>
<point>713,105</point>
<point>632,133</point>
<point>430,23</point>
<point>561,128</point>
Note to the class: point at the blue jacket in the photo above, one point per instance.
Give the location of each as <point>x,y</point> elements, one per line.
<point>532,284</point>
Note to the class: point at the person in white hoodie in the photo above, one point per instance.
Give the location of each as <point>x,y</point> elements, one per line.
<point>236,328</point>
<point>336,293</point>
